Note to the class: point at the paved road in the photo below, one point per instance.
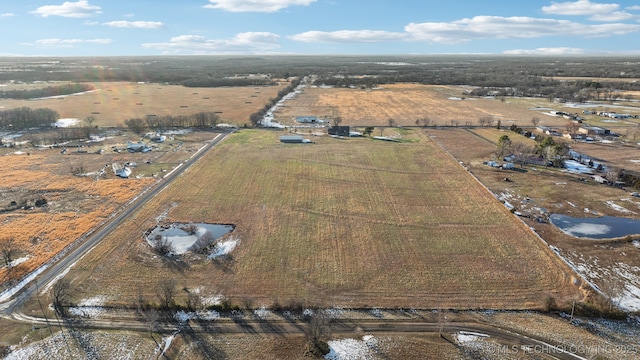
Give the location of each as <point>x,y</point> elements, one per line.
<point>239,325</point>
<point>515,343</point>
<point>8,308</point>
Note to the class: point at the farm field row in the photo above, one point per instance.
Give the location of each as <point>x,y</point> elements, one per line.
<point>353,223</point>
<point>405,103</point>
<point>111,103</point>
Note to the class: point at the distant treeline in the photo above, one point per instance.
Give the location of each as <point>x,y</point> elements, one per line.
<point>204,83</point>
<point>497,83</point>
<point>257,116</point>
<point>199,120</point>
<point>66,89</point>
<point>26,118</point>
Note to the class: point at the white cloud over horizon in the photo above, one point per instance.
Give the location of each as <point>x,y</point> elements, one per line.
<point>546,51</point>
<point>135,24</point>
<point>196,44</point>
<point>580,7</point>
<point>78,9</point>
<point>69,42</point>
<point>267,6</point>
<point>476,28</point>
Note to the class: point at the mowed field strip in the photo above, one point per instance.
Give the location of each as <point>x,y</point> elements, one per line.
<point>354,223</point>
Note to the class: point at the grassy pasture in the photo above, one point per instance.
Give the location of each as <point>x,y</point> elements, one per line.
<point>407,102</point>
<point>75,204</point>
<point>339,223</point>
<point>113,102</point>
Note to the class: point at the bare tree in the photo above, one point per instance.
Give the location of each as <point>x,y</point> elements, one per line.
<point>423,121</point>
<point>8,250</point>
<point>202,243</point>
<point>90,120</point>
<point>391,122</point>
<point>60,294</point>
<point>336,121</point>
<point>166,292</point>
<point>535,121</point>
<point>317,334</point>
<point>162,245</point>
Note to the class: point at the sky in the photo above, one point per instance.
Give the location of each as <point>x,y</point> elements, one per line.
<point>317,27</point>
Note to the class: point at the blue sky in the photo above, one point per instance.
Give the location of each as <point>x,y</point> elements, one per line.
<point>221,27</point>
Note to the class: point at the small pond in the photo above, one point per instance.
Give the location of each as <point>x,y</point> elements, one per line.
<point>183,236</point>
<point>605,227</point>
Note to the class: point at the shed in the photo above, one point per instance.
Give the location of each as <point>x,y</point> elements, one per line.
<point>309,120</point>
<point>294,139</point>
<point>339,130</point>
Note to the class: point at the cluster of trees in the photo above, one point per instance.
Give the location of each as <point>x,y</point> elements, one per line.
<point>546,148</point>
<point>257,116</point>
<point>66,89</point>
<point>199,120</point>
<point>26,118</point>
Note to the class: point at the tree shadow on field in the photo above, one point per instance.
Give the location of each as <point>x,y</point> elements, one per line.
<point>204,349</point>
<point>175,263</point>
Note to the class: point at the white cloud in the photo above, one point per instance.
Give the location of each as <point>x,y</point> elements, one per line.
<point>70,42</point>
<point>580,7</point>
<point>129,15</point>
<point>546,51</point>
<point>78,9</point>
<point>613,16</point>
<point>496,27</point>
<point>255,42</point>
<point>135,24</point>
<point>348,36</point>
<point>90,23</point>
<point>7,15</point>
<point>476,28</point>
<point>634,7</point>
<point>255,5</point>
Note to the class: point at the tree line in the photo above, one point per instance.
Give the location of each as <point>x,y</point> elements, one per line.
<point>25,118</point>
<point>66,89</point>
<point>256,118</point>
<point>199,120</point>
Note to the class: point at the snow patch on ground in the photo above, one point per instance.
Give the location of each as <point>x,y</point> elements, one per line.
<point>67,122</point>
<point>261,313</point>
<point>622,280</point>
<point>19,261</point>
<point>184,316</point>
<point>224,247</point>
<point>618,208</point>
<point>350,349</point>
<point>89,308</point>
<point>212,300</point>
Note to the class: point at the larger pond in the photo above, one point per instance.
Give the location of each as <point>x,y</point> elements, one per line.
<point>605,227</point>
<point>183,236</point>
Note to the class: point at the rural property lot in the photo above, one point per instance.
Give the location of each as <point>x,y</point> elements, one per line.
<point>354,223</point>
<point>111,103</point>
<point>407,102</point>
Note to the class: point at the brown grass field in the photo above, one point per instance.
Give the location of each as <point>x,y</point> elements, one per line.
<point>407,102</point>
<point>113,102</point>
<point>75,204</point>
<point>351,223</point>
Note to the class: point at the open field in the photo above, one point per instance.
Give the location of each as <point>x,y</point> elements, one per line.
<point>354,223</point>
<point>407,102</point>
<point>113,102</point>
<point>538,190</point>
<point>75,204</point>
